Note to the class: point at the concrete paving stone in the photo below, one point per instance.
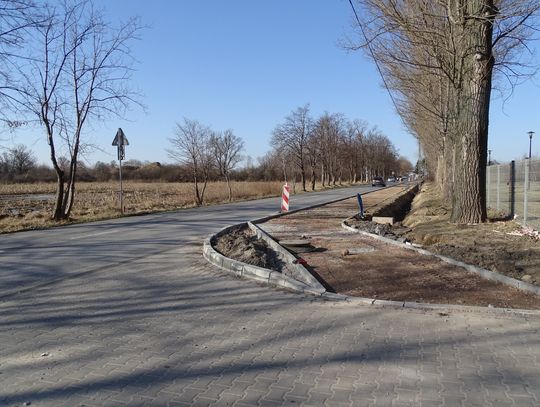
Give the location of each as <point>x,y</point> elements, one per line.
<point>179,403</point>
<point>516,388</point>
<point>344,382</point>
<point>317,399</point>
<point>383,400</point>
<point>253,396</point>
<point>213,392</point>
<point>325,385</point>
<point>261,384</point>
<point>189,393</point>
<point>276,394</point>
<point>228,399</point>
<point>430,403</point>
<point>524,401</point>
<point>245,404</point>
<point>361,402</point>
<point>270,403</point>
<point>339,397</point>
<point>407,395</point>
<point>203,382</point>
<point>299,390</point>
<point>291,400</point>
<point>238,387</point>
<point>308,377</point>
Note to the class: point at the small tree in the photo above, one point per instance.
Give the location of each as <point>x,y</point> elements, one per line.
<point>191,148</point>
<point>226,149</point>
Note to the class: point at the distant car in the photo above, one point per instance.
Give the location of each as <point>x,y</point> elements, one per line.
<point>391,179</point>
<point>378,182</point>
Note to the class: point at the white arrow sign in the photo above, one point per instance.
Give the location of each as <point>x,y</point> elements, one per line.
<point>120,139</point>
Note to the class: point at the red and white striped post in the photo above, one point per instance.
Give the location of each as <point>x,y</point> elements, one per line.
<point>285,198</point>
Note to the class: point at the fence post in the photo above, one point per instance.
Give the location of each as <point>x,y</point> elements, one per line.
<point>526,193</point>
<point>498,188</point>
<point>488,179</point>
<point>512,184</point>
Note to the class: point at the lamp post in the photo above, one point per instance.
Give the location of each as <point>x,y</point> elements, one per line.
<point>530,133</point>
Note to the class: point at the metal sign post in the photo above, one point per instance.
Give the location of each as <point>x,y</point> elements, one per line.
<point>120,140</point>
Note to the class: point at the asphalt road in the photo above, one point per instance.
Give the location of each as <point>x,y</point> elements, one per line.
<point>128,313</point>
<point>34,258</point>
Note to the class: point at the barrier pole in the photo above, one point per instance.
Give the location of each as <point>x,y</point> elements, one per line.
<point>285,198</point>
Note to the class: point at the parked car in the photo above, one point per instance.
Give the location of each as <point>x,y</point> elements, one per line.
<point>378,182</point>
<point>391,179</point>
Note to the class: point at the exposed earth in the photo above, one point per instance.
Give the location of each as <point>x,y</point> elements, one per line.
<point>353,264</point>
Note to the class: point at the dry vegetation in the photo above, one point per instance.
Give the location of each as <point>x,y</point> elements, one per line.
<point>99,200</point>
<point>499,246</point>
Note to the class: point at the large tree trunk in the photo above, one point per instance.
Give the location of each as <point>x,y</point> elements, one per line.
<point>58,214</point>
<point>469,193</point>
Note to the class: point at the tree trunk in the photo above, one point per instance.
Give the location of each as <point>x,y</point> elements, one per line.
<point>229,186</point>
<point>57,215</point>
<point>198,200</point>
<point>469,204</point>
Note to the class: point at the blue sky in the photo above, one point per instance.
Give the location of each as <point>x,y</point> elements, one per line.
<point>245,64</point>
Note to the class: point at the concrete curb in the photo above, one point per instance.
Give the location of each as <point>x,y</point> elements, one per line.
<point>487,274</point>
<point>304,275</point>
<point>267,276</point>
<point>274,278</point>
<point>259,274</point>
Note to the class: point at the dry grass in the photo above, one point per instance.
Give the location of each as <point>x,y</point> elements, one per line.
<point>99,200</point>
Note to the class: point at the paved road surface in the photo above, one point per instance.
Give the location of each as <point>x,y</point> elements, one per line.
<point>144,320</point>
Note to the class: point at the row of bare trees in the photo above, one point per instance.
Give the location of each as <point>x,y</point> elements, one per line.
<point>439,59</point>
<point>63,66</point>
<point>333,149</point>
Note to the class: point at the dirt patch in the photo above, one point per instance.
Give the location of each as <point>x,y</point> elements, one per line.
<point>242,244</point>
<point>357,265</point>
<point>500,246</point>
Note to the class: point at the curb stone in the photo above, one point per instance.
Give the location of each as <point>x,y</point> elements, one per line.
<point>274,278</point>
<point>304,275</point>
<point>487,274</point>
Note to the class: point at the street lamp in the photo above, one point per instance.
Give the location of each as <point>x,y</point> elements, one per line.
<point>530,133</point>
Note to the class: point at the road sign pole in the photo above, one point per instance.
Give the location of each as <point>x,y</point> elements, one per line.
<point>120,140</point>
<point>121,191</point>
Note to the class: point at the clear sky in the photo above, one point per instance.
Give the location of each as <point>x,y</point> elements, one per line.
<point>245,64</point>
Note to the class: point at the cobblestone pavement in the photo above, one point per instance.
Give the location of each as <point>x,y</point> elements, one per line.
<point>186,334</point>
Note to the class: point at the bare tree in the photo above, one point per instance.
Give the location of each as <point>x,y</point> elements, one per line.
<point>292,136</point>
<point>16,161</point>
<point>191,147</point>
<point>226,150</point>
<point>79,71</point>
<point>329,132</point>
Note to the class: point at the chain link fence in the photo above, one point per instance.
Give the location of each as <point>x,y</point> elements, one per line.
<point>513,190</point>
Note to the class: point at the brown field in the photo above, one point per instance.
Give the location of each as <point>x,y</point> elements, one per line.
<point>100,200</point>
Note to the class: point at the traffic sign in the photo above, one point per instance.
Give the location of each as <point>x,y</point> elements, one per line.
<point>120,139</point>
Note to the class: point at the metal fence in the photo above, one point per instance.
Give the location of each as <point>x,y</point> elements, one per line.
<point>514,190</point>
